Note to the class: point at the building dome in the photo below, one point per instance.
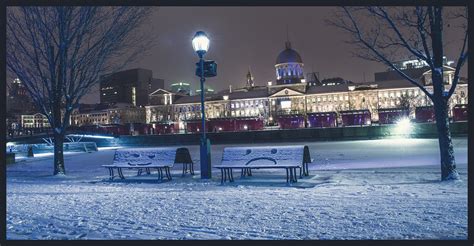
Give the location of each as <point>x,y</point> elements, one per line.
<point>288,55</point>
<point>289,66</point>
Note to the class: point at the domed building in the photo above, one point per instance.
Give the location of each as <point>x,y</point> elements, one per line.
<point>289,66</point>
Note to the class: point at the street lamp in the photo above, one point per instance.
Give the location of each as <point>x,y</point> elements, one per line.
<point>204,69</point>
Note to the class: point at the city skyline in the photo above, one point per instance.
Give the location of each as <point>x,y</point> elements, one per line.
<point>257,40</point>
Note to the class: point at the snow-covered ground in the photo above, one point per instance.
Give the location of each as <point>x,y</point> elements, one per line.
<point>371,189</point>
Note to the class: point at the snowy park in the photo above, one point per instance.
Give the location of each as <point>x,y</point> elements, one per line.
<point>366,189</point>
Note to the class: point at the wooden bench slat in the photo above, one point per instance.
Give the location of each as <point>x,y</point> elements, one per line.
<point>151,158</point>
<point>265,157</point>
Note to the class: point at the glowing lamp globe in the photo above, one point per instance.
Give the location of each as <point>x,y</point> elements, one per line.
<point>200,42</point>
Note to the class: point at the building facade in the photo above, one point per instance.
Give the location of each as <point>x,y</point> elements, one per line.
<point>34,121</point>
<point>129,86</point>
<point>293,103</point>
<point>120,114</point>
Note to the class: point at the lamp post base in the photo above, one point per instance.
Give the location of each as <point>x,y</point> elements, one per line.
<point>205,154</point>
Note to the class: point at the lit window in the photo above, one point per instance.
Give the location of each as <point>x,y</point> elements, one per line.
<point>134,96</point>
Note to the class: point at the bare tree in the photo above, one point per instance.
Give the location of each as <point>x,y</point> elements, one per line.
<point>406,101</point>
<point>59,53</point>
<point>386,35</point>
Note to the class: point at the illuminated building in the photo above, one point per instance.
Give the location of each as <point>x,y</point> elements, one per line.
<point>291,102</point>
<point>34,121</point>
<point>118,113</point>
<point>181,87</point>
<point>129,86</point>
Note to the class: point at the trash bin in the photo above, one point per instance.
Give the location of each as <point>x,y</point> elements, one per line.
<point>30,151</point>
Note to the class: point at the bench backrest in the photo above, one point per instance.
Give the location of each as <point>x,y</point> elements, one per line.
<point>278,156</point>
<point>158,156</point>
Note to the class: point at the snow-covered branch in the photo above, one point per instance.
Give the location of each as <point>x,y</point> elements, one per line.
<point>374,51</point>
<point>59,52</point>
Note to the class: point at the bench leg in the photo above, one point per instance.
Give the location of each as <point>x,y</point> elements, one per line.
<point>222,176</point>
<point>246,172</point>
<point>119,170</point>
<point>139,172</point>
<point>307,169</point>
<point>160,173</point>
<point>291,175</point>
<point>147,170</point>
<point>301,172</point>
<point>184,170</point>
<point>111,173</point>
<point>294,175</point>
<point>287,177</point>
<point>192,168</point>
<point>231,175</point>
<point>168,173</point>
<point>242,173</point>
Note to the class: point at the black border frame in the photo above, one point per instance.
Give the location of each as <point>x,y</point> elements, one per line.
<point>5,3</point>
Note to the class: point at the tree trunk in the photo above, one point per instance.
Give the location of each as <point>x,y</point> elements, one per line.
<point>448,163</point>
<point>59,154</point>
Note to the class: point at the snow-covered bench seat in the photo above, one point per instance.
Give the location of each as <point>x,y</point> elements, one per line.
<point>161,159</point>
<point>289,158</point>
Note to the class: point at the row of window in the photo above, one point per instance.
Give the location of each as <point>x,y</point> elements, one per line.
<point>89,115</point>
<point>385,98</point>
<point>250,103</point>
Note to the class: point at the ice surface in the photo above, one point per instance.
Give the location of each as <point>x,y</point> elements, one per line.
<point>377,189</point>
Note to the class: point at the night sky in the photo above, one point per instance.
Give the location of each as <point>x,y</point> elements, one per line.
<point>253,36</point>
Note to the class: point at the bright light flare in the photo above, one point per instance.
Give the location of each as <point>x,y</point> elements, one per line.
<point>200,42</point>
<point>403,127</point>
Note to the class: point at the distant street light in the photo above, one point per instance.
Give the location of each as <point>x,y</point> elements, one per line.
<point>204,69</point>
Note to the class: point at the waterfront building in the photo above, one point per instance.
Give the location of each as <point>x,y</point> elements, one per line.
<point>130,86</point>
<point>291,102</point>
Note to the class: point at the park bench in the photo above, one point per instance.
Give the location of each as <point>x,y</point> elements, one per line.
<point>161,159</point>
<point>289,158</point>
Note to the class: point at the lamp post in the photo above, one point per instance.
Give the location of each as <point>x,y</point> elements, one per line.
<point>204,69</point>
